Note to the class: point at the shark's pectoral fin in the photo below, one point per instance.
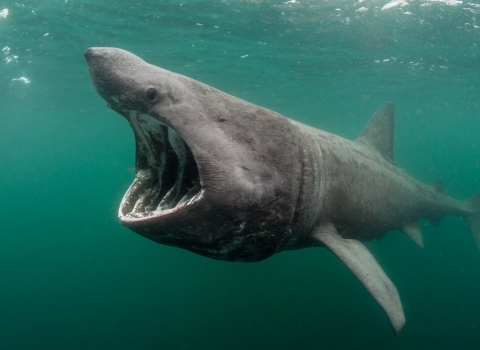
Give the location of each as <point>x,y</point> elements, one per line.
<point>412,230</point>
<point>364,266</point>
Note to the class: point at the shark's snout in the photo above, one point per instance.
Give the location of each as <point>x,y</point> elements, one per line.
<point>89,53</point>
<point>98,66</point>
<point>97,52</point>
<point>108,68</point>
<point>93,54</point>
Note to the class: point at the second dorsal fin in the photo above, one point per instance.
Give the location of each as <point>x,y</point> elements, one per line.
<point>378,133</point>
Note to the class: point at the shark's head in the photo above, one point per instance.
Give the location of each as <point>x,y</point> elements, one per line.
<point>214,174</point>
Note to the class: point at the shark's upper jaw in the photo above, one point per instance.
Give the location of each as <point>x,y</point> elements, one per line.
<point>167,177</point>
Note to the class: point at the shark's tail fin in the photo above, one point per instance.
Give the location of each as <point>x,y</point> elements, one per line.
<point>473,220</point>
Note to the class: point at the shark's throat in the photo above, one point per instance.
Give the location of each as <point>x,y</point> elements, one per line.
<point>167,176</point>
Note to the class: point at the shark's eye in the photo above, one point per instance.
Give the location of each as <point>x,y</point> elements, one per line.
<point>151,94</point>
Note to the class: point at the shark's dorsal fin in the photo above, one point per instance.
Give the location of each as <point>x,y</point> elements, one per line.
<point>378,133</point>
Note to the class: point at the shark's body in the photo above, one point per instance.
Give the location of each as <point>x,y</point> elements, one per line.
<point>363,194</point>
<point>233,181</point>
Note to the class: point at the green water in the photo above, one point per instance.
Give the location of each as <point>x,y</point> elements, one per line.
<point>72,278</point>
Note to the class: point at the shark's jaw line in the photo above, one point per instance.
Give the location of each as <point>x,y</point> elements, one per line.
<point>167,177</point>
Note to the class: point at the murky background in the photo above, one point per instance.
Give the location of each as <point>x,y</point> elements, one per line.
<point>72,278</point>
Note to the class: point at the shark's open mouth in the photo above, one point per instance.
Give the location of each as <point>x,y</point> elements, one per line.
<point>167,176</point>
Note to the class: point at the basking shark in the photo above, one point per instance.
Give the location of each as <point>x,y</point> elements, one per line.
<point>233,181</point>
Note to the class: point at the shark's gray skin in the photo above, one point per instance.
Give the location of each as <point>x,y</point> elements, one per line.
<point>234,181</point>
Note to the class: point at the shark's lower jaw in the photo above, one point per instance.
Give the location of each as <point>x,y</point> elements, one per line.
<point>167,177</point>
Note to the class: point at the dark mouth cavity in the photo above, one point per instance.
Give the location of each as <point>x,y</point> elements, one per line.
<point>166,172</point>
